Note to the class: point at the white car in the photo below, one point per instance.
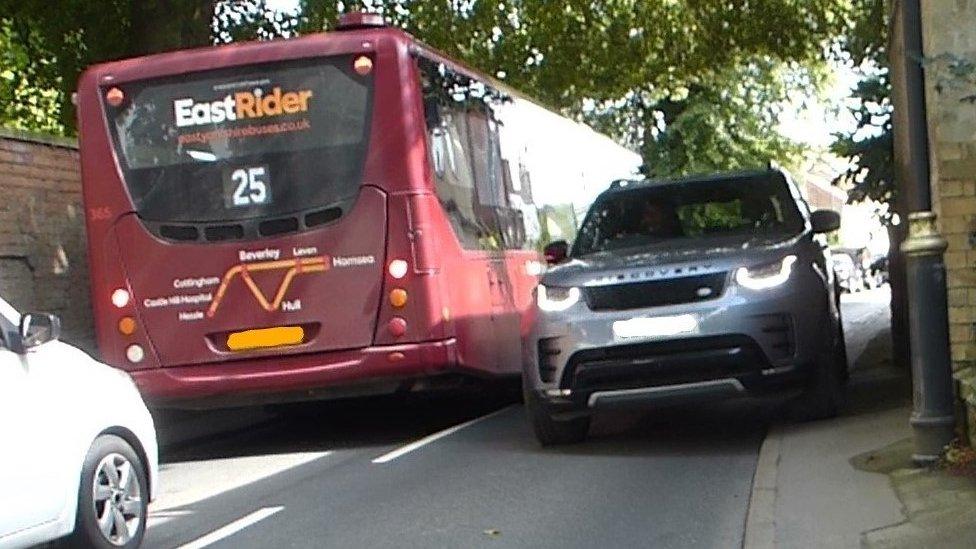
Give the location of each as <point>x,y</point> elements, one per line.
<point>78,452</point>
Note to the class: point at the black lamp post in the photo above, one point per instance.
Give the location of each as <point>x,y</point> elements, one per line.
<point>933,418</point>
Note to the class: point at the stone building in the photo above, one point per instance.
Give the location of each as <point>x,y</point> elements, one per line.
<point>949,35</point>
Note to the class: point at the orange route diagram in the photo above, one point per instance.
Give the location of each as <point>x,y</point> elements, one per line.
<point>292,267</point>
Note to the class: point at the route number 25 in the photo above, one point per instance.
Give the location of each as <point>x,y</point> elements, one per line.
<point>247,187</point>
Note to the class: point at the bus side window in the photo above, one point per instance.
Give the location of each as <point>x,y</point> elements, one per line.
<point>447,138</point>
<point>486,191</point>
<point>432,112</point>
<point>438,146</point>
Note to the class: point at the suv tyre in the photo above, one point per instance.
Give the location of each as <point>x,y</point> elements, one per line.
<point>823,395</point>
<point>550,431</point>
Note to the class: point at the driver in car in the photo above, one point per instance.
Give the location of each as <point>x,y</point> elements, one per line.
<point>656,220</point>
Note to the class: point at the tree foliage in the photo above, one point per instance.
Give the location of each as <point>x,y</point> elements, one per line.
<point>241,20</point>
<point>695,85</point>
<point>869,148</point>
<point>24,105</point>
<point>723,123</point>
<point>46,49</point>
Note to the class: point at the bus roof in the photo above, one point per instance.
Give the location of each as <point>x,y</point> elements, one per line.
<point>344,39</point>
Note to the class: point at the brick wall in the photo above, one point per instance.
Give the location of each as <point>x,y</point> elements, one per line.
<point>949,26</point>
<point>43,263</point>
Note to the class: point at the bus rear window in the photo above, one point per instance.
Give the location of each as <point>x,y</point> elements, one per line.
<point>242,143</point>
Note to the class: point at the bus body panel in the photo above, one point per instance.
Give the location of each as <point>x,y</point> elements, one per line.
<point>466,310</point>
<point>325,281</point>
<point>335,374</point>
<point>124,255</point>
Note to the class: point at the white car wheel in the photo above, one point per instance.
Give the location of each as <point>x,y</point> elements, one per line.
<point>112,504</point>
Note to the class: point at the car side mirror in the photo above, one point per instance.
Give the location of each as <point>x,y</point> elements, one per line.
<point>825,221</point>
<point>37,329</point>
<point>556,252</point>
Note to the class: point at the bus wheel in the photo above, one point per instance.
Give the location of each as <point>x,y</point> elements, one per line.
<point>550,431</point>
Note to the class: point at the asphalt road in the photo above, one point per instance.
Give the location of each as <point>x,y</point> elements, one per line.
<point>467,472</point>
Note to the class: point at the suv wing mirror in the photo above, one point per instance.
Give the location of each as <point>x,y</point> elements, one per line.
<point>37,329</point>
<point>825,221</point>
<point>556,252</point>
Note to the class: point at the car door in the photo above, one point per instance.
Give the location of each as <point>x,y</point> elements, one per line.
<point>30,474</point>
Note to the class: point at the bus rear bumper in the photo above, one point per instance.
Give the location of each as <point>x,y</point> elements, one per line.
<point>315,376</point>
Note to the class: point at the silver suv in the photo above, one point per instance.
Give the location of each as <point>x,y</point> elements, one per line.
<point>698,288</point>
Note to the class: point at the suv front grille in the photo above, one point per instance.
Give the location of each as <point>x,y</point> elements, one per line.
<point>655,293</point>
<point>661,363</point>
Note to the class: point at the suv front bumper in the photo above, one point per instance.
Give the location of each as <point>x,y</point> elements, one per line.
<point>744,343</point>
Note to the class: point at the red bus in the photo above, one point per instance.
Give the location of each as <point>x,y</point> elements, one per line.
<point>341,214</point>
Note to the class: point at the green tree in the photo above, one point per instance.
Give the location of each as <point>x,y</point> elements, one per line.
<point>61,42</point>
<point>869,146</point>
<point>695,85</point>
<point>674,69</point>
<point>24,105</point>
<point>728,121</point>
<point>46,49</point>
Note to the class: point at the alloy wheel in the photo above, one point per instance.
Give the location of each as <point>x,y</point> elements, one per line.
<point>117,498</point>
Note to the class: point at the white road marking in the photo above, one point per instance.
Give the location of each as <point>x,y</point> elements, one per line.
<point>431,438</point>
<point>162,517</point>
<point>232,528</point>
<point>186,483</point>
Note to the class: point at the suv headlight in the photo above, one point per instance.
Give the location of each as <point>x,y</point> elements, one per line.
<point>555,299</point>
<point>767,275</point>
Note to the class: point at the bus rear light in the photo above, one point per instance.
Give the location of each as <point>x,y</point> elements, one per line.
<point>127,325</point>
<point>120,297</point>
<point>135,354</point>
<point>398,298</point>
<point>362,65</point>
<point>397,326</point>
<point>115,97</point>
<point>398,268</point>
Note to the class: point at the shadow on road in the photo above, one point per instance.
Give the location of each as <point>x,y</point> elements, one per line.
<point>682,431</point>
<point>332,425</point>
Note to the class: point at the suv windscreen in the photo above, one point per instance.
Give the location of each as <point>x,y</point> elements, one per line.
<point>242,142</point>
<point>753,207</point>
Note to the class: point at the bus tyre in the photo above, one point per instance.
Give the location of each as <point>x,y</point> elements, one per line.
<point>550,431</point>
<point>112,498</point>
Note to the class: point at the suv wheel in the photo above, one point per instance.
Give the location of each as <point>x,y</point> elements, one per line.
<point>822,397</point>
<point>840,355</point>
<point>113,496</point>
<point>550,431</point>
